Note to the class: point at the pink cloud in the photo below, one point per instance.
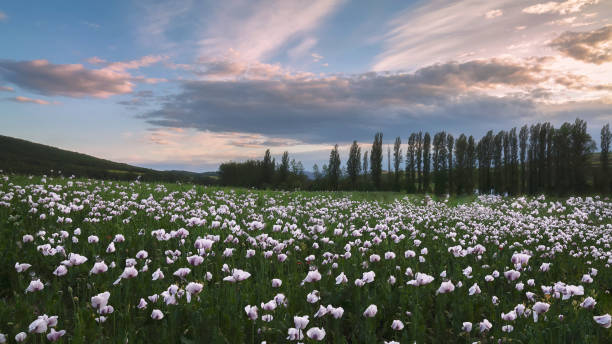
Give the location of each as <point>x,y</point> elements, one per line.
<point>144,61</point>
<point>21,99</point>
<point>569,6</point>
<point>7,89</point>
<point>74,80</point>
<point>95,60</point>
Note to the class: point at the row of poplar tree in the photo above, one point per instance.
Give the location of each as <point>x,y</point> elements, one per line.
<point>531,160</point>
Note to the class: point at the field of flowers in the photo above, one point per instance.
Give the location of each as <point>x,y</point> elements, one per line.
<point>101,262</point>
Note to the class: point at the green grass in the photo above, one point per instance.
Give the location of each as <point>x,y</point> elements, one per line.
<point>217,314</point>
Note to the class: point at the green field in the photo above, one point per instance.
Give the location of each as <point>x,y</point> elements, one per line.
<point>430,266</point>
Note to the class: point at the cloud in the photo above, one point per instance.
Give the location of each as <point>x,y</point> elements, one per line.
<point>3,16</point>
<point>439,31</point>
<point>139,99</point>
<point>21,99</point>
<point>144,61</point>
<point>493,13</point>
<point>74,80</point>
<point>95,60</point>
<point>312,109</point>
<point>568,20</point>
<point>160,17</point>
<point>569,6</point>
<point>7,89</point>
<point>233,66</point>
<point>94,26</point>
<point>259,29</point>
<point>316,57</point>
<point>302,48</point>
<point>591,46</point>
<point>192,148</point>
<point>71,80</point>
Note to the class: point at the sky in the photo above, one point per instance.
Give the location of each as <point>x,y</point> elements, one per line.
<point>190,84</point>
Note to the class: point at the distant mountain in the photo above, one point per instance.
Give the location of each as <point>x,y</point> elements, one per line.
<point>25,157</point>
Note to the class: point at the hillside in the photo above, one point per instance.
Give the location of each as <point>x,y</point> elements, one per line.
<point>25,157</point>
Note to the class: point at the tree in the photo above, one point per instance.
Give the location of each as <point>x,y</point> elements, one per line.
<point>550,137</point>
<point>460,174</point>
<point>542,155</point>
<point>268,168</point>
<point>507,166</point>
<point>411,164</point>
<point>562,153</point>
<point>523,135</point>
<point>389,165</point>
<point>316,172</point>
<point>498,146</point>
<point>333,169</point>
<point>353,164</point>
<point>485,156</point>
<point>470,164</point>
<point>582,146</point>
<point>283,170</point>
<point>532,157</point>
<point>450,142</point>
<point>514,164</point>
<point>604,157</point>
<point>397,160</point>
<point>419,160</point>
<point>426,161</point>
<point>365,164</point>
<point>376,159</point>
<point>439,163</point>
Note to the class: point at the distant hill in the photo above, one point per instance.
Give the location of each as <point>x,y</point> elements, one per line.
<point>25,157</point>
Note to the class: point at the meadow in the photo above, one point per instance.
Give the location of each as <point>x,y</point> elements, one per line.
<point>90,261</point>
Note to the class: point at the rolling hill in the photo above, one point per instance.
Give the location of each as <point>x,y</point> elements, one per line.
<point>25,157</point>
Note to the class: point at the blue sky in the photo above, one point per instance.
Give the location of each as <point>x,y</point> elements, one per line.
<point>190,84</point>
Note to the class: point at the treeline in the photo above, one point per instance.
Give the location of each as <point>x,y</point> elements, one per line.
<point>266,173</point>
<point>528,160</point>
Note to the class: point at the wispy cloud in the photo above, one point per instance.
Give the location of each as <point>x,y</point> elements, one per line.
<point>493,13</point>
<point>7,89</point>
<point>259,29</point>
<point>91,25</point>
<point>441,31</point>
<point>159,18</point>
<point>3,16</point>
<point>21,99</point>
<point>565,7</point>
<point>302,48</point>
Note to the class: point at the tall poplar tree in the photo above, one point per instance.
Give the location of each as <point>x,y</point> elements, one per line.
<point>523,135</point>
<point>353,164</point>
<point>450,142</point>
<point>470,164</point>
<point>604,158</point>
<point>333,169</point>
<point>426,161</point>
<point>411,164</point>
<point>460,173</point>
<point>376,160</point>
<point>419,160</point>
